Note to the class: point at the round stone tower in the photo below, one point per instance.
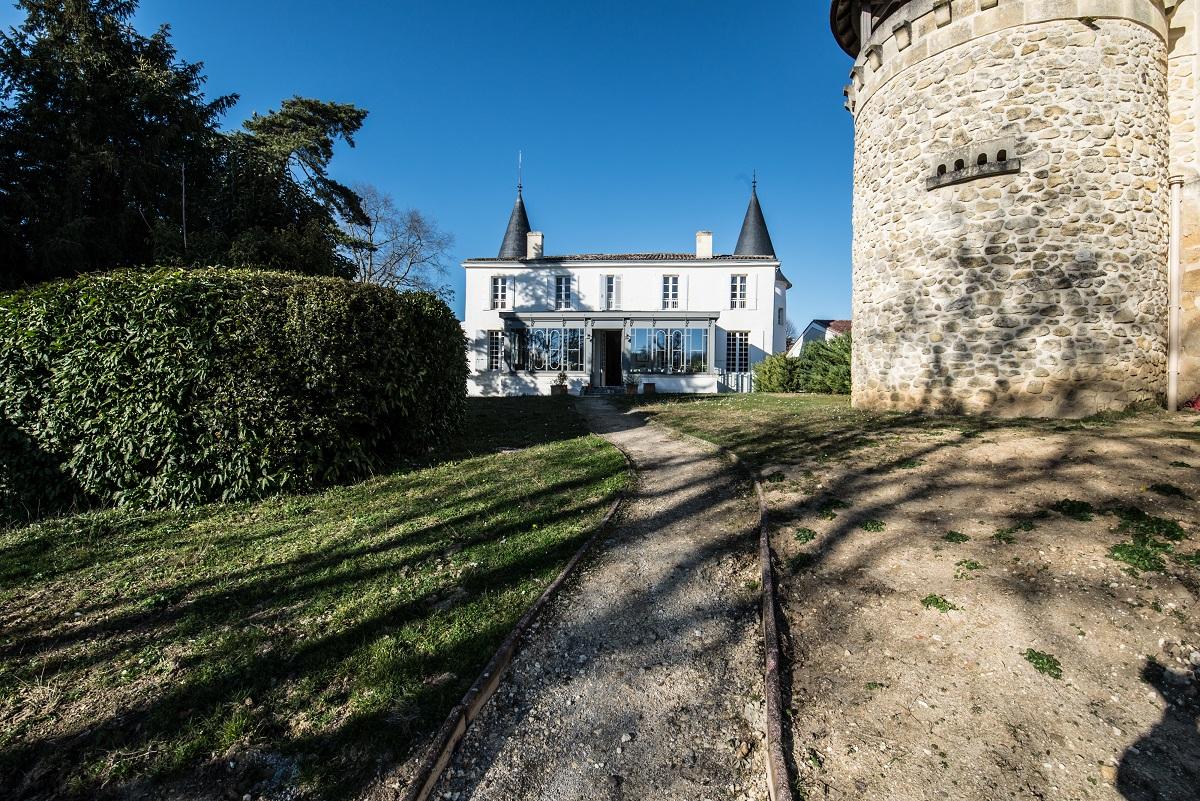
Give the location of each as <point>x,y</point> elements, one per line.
<point>1010,203</point>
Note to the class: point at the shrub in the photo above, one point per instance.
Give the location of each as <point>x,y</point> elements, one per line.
<point>777,373</point>
<point>173,388</point>
<point>821,367</point>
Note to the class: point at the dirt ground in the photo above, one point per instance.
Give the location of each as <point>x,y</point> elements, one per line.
<point>1017,657</point>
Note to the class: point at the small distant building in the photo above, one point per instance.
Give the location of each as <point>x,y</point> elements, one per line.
<point>819,330</point>
<point>686,322</point>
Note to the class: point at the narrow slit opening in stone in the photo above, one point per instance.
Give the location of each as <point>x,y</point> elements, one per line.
<point>960,164</point>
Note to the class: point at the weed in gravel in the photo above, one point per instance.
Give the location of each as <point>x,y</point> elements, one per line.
<point>1136,522</point>
<point>875,685</point>
<point>1076,510</point>
<point>1189,559</point>
<point>828,510</point>
<point>800,561</point>
<point>1005,535</point>
<point>804,535</point>
<point>1044,663</point>
<point>937,602</point>
<point>909,464</point>
<point>775,478</point>
<point>965,568</point>
<point>871,525</point>
<point>955,536</point>
<point>1180,464</point>
<point>1139,556</point>
<point>1167,490</point>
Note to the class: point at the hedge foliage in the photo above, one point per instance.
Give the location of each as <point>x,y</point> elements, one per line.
<point>173,388</point>
<point>822,366</point>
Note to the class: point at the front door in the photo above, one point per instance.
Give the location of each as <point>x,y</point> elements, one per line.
<point>612,358</point>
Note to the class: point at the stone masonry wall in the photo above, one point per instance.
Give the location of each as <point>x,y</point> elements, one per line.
<point>1039,292</point>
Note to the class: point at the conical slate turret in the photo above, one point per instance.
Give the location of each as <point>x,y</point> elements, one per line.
<point>514,245</point>
<point>754,240</point>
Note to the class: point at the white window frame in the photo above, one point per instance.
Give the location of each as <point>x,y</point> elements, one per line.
<point>561,302</point>
<point>500,294</point>
<point>737,351</point>
<point>609,301</point>
<point>495,350</point>
<point>670,291</point>
<point>739,290</point>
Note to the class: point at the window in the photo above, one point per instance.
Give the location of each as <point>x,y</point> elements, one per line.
<point>499,291</point>
<point>556,349</point>
<point>562,291</point>
<point>610,292</point>
<point>669,350</point>
<point>737,351</point>
<point>779,316</point>
<point>495,349</point>
<point>737,292</point>
<point>670,295</point>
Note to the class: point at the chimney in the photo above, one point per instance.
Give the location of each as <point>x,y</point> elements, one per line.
<point>533,245</point>
<point>704,244</point>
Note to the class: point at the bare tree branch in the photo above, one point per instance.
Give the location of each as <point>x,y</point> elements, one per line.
<point>398,249</point>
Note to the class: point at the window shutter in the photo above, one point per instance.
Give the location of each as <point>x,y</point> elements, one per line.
<point>481,343</point>
<point>683,292</point>
<point>512,292</point>
<point>487,296</point>
<point>600,297</point>
<point>617,291</point>
<point>752,291</point>
<point>729,291</point>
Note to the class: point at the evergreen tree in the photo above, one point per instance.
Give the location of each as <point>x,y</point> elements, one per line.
<point>97,125</point>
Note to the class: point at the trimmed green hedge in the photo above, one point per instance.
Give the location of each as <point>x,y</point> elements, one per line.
<point>822,366</point>
<point>173,388</point>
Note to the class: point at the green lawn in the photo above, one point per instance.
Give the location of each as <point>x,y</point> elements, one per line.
<point>310,642</point>
<point>767,428</point>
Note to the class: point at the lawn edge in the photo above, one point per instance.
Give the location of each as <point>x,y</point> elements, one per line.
<point>779,784</point>
<point>451,732</point>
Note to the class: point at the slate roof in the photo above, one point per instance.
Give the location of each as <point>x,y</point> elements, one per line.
<point>836,326</point>
<point>755,239</point>
<point>515,242</point>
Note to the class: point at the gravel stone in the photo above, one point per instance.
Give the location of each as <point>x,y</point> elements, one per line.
<point>653,645</point>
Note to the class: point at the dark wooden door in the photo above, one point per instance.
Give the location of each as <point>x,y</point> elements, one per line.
<point>612,358</point>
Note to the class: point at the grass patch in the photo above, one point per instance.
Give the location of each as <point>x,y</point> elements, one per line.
<point>1190,559</point>
<point>872,686</point>
<point>1044,663</point>
<point>1076,510</point>
<point>955,536</point>
<point>937,602</point>
<point>1140,556</point>
<point>909,464</point>
<point>1138,524</point>
<point>804,535</point>
<point>871,525</point>
<point>328,634</point>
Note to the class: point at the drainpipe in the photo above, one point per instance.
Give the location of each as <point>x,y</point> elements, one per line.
<point>1175,301</point>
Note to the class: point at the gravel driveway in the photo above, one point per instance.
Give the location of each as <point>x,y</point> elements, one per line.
<point>643,678</point>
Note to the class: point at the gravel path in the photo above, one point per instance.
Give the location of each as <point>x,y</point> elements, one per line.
<point>644,677</point>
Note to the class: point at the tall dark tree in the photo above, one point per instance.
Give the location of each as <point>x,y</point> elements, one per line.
<point>272,202</point>
<point>97,125</point>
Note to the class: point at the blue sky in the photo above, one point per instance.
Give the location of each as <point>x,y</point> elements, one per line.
<point>640,120</point>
